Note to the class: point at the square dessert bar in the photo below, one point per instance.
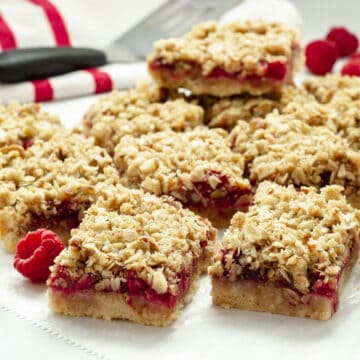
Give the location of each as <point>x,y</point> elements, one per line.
<point>286,150</point>
<point>225,112</point>
<point>136,112</point>
<point>134,256</point>
<point>196,167</point>
<point>290,254</point>
<point>50,185</point>
<point>341,96</point>
<point>253,57</point>
<point>23,124</point>
<point>327,88</point>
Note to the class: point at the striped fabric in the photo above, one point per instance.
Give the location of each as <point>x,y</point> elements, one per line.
<point>27,23</point>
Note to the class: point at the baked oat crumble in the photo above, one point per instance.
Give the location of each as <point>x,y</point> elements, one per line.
<point>227,111</point>
<point>340,95</point>
<point>136,112</point>
<point>237,46</point>
<point>224,59</point>
<point>196,167</point>
<point>286,150</point>
<point>51,180</point>
<point>290,235</point>
<point>129,230</point>
<point>23,124</point>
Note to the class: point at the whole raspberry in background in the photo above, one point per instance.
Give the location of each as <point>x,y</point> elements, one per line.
<point>355,56</point>
<point>320,56</point>
<point>36,252</point>
<point>345,41</point>
<point>352,68</point>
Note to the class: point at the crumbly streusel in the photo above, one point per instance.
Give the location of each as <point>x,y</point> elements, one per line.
<point>136,112</point>
<point>227,111</point>
<point>340,96</point>
<point>51,178</point>
<point>169,163</point>
<point>23,124</point>
<point>290,235</point>
<point>286,150</point>
<point>133,231</point>
<point>326,88</point>
<point>234,47</point>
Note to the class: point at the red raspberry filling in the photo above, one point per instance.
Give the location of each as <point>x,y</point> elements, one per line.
<point>274,71</point>
<point>35,253</point>
<point>133,286</point>
<point>235,199</point>
<point>67,217</point>
<point>345,41</point>
<point>318,285</point>
<point>321,56</point>
<point>27,143</point>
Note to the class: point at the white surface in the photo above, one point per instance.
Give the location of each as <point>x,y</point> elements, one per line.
<point>28,330</point>
<point>203,331</point>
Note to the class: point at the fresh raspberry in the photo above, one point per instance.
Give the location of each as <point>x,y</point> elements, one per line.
<point>36,252</point>
<point>352,68</point>
<point>345,41</point>
<point>320,56</point>
<point>355,56</point>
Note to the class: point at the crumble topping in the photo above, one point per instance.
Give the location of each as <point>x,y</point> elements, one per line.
<point>169,163</point>
<point>286,150</point>
<point>327,88</point>
<point>234,47</point>
<point>129,230</point>
<point>340,95</point>
<point>26,123</point>
<point>136,112</point>
<point>226,112</point>
<point>290,235</point>
<point>67,169</point>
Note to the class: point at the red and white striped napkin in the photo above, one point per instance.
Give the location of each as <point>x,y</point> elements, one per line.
<point>87,23</point>
<point>93,23</point>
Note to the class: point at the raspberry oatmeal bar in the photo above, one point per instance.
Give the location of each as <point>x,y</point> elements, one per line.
<point>23,124</point>
<point>327,88</point>
<point>135,256</point>
<point>286,150</point>
<point>225,112</point>
<point>341,96</point>
<point>196,167</point>
<point>290,254</point>
<point>50,185</point>
<point>253,57</point>
<point>136,112</point>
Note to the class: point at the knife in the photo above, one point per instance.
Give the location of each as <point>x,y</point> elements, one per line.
<point>169,20</point>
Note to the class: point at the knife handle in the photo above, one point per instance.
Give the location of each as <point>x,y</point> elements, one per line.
<point>38,63</point>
